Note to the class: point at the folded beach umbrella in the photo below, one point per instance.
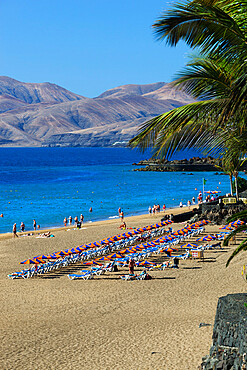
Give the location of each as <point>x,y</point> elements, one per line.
<point>114,255</point>
<point>169,249</point>
<point>96,244</point>
<point>51,256</point>
<point>105,241</point>
<point>237,223</point>
<point>171,237</point>
<point>43,257</point>
<point>189,245</point>
<point>111,239</point>
<point>145,263</point>
<point>61,253</point>
<point>89,263</point>
<point>105,258</point>
<point>141,229</point>
<point>206,238</point>
<point>185,230</point>
<point>179,232</point>
<point>211,237</point>
<point>226,227</point>
<point>31,261</point>
<point>212,191</point>
<point>125,251</point>
<point>76,250</point>
<point>201,239</point>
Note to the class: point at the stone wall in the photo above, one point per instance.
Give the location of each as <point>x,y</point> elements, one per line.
<point>229,346</point>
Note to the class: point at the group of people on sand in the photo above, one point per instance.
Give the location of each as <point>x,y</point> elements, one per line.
<point>22,228</point>
<point>77,221</point>
<point>156,209</point>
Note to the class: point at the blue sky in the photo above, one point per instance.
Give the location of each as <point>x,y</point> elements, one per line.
<point>86,46</point>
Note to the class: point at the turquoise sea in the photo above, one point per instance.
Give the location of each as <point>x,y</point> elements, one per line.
<point>50,183</point>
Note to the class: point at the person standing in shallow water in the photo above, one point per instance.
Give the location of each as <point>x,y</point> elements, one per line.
<point>14,231</point>
<point>22,226</point>
<point>34,224</point>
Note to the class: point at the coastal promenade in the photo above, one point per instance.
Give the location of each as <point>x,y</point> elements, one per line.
<point>51,322</point>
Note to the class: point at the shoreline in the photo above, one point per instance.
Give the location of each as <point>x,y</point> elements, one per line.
<point>136,217</point>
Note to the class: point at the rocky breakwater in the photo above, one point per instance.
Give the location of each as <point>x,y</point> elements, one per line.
<point>229,346</point>
<point>184,165</point>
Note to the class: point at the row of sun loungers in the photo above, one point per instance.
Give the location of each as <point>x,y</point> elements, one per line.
<point>97,252</point>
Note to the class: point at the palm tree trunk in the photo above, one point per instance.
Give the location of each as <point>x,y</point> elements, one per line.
<point>236,184</point>
<point>230,175</point>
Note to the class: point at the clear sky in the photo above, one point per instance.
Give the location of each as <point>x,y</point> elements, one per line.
<point>86,46</point>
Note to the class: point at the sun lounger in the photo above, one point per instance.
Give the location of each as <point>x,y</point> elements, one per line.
<point>86,276</point>
<point>128,277</point>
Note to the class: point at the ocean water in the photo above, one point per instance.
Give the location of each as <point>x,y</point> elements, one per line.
<point>50,183</point>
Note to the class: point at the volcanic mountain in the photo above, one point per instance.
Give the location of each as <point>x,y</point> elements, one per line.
<point>45,114</point>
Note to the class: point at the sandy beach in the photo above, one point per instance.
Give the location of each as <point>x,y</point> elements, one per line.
<point>51,322</point>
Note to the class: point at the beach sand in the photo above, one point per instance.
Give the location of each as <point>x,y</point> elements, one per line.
<point>51,322</point>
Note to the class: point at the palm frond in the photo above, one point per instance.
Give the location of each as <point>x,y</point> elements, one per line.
<point>233,233</point>
<point>238,216</point>
<point>204,24</point>
<point>242,247</point>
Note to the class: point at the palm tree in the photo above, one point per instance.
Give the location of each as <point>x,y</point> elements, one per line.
<point>232,164</point>
<point>217,78</point>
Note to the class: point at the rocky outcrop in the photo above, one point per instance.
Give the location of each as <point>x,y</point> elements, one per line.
<point>229,346</point>
<point>218,213</point>
<point>184,165</point>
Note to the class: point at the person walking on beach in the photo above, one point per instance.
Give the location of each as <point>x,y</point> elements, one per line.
<point>131,266</point>
<point>81,219</point>
<point>65,221</point>
<point>22,226</point>
<point>34,224</point>
<point>14,231</point>
<point>164,208</point>
<point>70,220</point>
<point>121,215</point>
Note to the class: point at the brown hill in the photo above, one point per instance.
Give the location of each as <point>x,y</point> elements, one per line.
<point>131,90</point>
<point>111,119</point>
<point>36,92</point>
<point>167,91</point>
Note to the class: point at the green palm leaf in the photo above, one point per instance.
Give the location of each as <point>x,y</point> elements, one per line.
<point>241,247</point>
<point>238,216</point>
<point>210,25</point>
<point>233,233</point>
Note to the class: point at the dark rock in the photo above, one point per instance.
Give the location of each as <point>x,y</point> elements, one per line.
<point>229,346</point>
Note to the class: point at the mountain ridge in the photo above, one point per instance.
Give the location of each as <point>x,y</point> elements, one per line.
<point>48,115</point>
